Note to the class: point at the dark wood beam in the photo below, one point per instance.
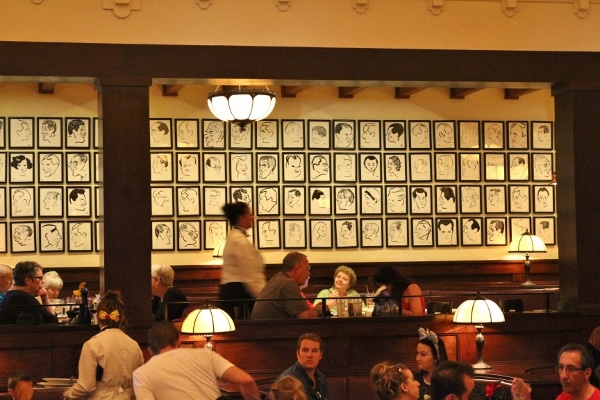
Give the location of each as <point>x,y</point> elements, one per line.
<point>406,92</point>
<point>171,90</point>
<point>46,87</point>
<point>460,93</point>
<point>291,91</point>
<point>514,94</point>
<point>349,92</point>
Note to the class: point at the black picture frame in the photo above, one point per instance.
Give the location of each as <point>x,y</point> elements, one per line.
<point>344,167</point>
<point>445,166</point>
<point>79,201</point>
<point>162,201</point>
<point>22,201</point>
<point>294,233</point>
<point>294,167</point>
<point>519,166</point>
<point>186,133</point>
<point>543,199</point>
<point>188,235</point>
<point>472,231</point>
<point>161,133</point>
<point>22,167</point>
<point>520,199</point>
<point>294,200</point>
<point>421,199</point>
<point>99,236</point>
<point>371,233</point>
<point>267,167</point>
<point>396,200</point>
<point>3,130</point>
<point>446,232</point>
<point>3,242</point>
<point>422,234</point>
<point>319,134</point>
<point>2,202</point>
<point>394,134</point>
<point>188,201</point>
<point>293,134</point>
<point>214,134</point>
<point>419,133</point>
<point>98,167</point>
<point>370,167</point>
<point>470,199</point>
<point>51,237</point>
<point>269,233</point>
<point>470,167</point>
<point>495,199</point>
<point>319,167</point>
<point>469,137</point>
<point>81,236</point>
<point>214,198</point>
<point>50,133</point>
<point>267,134</point>
<point>346,233</point>
<point>518,226</point>
<point>542,135</point>
<point>542,166</point>
<point>444,136</point>
<point>97,137</point>
<point>21,132</point>
<point>242,194</point>
<point>371,199</point>
<point>420,167</point>
<point>78,167</point>
<point>395,167</point>
<point>50,167</point>
<point>240,167</point>
<point>496,232</point>
<point>241,139</point>
<point>50,201</point>
<point>188,167</point>
<point>320,200</point>
<point>23,237</point>
<point>267,200</point>
<point>215,232</point>
<point>493,135</point>
<point>398,234</point>
<point>345,199</point>
<point>446,199</point>
<point>545,228</point>
<point>214,167</point>
<point>321,234</point>
<point>495,167</point>
<point>163,238</point>
<point>369,135</point>
<point>99,201</point>
<point>77,132</point>
<point>3,167</point>
<point>161,165</point>
<point>344,134</point>
<point>518,135</point>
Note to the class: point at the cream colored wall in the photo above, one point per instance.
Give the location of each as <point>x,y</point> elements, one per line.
<point>402,24</point>
<point>71,100</point>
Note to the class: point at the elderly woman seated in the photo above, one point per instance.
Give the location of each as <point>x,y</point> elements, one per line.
<point>344,279</point>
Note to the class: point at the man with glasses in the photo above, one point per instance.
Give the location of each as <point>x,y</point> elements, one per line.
<point>309,352</point>
<point>574,369</point>
<point>164,292</point>
<point>19,304</point>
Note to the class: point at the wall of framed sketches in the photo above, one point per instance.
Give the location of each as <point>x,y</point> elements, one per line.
<point>323,179</point>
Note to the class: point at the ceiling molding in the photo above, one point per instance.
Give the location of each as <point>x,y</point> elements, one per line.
<point>406,92</point>
<point>46,87</point>
<point>348,92</point>
<point>171,90</point>
<point>514,94</point>
<point>291,91</point>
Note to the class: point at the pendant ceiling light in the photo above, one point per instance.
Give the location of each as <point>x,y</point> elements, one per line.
<point>241,105</point>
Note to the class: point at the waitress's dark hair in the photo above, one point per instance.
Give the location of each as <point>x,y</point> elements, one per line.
<point>233,211</point>
<point>389,276</point>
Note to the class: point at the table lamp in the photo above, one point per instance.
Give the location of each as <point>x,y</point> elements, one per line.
<point>478,311</point>
<point>527,243</point>
<point>207,321</point>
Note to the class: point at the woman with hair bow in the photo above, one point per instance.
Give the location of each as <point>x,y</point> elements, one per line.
<point>109,358</point>
<point>430,351</point>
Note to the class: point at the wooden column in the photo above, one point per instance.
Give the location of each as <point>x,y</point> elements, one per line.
<point>125,146</point>
<point>577,134</point>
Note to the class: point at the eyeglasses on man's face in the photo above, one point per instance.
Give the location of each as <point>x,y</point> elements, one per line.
<point>569,368</point>
<point>39,278</point>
